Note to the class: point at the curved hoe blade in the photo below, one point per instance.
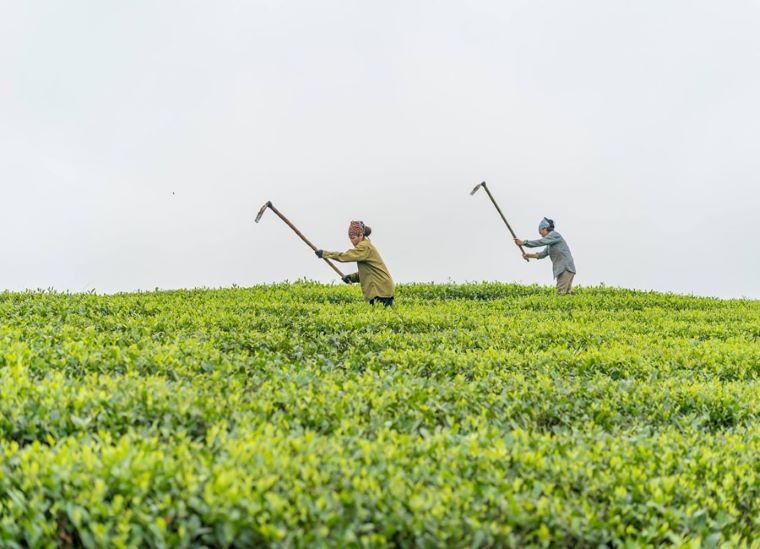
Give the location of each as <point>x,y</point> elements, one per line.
<point>262,210</point>
<point>477,188</point>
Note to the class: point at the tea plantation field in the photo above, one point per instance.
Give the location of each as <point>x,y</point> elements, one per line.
<point>469,415</point>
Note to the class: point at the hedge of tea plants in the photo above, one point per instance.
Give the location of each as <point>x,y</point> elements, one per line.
<point>468,415</point>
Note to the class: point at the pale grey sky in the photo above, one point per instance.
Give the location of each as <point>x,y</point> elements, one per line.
<point>634,125</point>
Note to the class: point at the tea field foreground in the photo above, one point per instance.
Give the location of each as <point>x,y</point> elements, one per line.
<point>469,415</point>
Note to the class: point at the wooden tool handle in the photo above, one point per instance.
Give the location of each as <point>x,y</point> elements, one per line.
<point>308,242</point>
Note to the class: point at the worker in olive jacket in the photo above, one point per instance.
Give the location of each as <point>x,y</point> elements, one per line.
<point>559,252</point>
<point>377,284</point>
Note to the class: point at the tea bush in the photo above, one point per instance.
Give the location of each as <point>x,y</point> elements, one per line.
<point>468,415</point>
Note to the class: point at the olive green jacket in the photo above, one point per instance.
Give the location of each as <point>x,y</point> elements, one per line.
<point>373,275</point>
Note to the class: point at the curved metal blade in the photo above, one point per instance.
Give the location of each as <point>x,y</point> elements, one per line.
<point>477,188</point>
<point>262,210</point>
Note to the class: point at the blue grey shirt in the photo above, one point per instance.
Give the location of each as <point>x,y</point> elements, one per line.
<point>557,249</point>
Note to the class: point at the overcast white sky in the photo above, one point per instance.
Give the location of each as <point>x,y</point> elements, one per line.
<point>139,139</point>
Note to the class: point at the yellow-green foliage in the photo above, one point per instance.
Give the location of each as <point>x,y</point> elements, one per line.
<point>472,415</point>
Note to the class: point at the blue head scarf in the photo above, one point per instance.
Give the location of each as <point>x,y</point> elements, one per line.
<point>546,223</point>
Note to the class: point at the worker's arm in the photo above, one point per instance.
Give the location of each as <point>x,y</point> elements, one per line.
<point>351,278</point>
<point>360,253</point>
<point>540,255</point>
<point>548,240</point>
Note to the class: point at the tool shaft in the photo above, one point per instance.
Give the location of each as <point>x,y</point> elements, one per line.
<point>503,217</point>
<point>306,240</point>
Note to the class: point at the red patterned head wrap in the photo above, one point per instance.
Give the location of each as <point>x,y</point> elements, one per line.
<point>356,229</point>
